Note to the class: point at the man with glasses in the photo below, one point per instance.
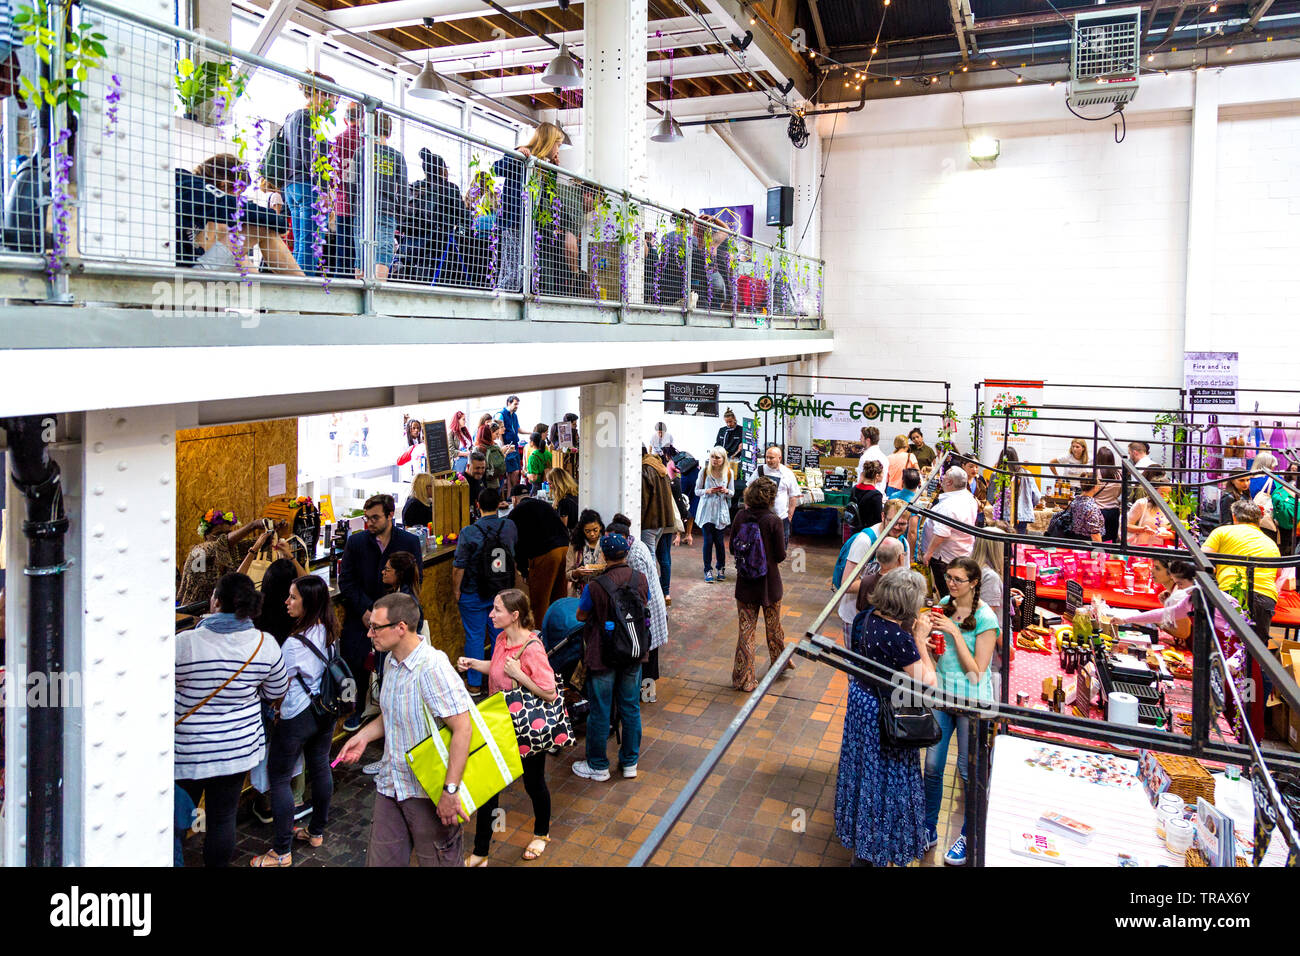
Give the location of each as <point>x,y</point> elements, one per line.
<point>419,681</point>
<point>361,584</point>
<point>947,543</point>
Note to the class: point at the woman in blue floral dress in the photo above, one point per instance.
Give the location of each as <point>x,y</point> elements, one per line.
<point>879,798</point>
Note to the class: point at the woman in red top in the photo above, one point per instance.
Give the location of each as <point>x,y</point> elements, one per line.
<point>462,442</point>
<point>518,660</point>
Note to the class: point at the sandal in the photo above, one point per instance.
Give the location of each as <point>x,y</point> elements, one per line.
<point>536,848</point>
<point>302,833</point>
<point>476,860</point>
<point>271,858</point>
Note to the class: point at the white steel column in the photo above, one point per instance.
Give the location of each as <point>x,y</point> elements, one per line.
<point>127,639</point>
<point>1198,331</point>
<point>609,449</point>
<point>805,174</point>
<point>614,96</point>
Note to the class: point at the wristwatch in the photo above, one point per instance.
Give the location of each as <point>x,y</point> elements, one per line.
<point>452,788</point>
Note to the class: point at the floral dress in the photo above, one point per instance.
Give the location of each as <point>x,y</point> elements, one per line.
<point>879,797</point>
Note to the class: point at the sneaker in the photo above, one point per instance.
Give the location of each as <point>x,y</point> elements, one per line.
<point>722,574</point>
<point>262,813</point>
<point>708,577</point>
<point>956,855</point>
<point>373,768</point>
<point>931,840</point>
<point>352,724</point>
<point>302,810</point>
<point>629,773</point>
<point>476,692</point>
<point>584,769</point>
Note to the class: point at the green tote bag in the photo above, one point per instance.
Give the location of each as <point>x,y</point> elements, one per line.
<point>493,756</point>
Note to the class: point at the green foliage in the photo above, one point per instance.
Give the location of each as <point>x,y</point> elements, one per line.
<point>204,83</point>
<point>83,51</point>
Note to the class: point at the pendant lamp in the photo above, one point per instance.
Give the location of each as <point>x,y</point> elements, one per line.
<point>564,72</point>
<point>428,85</point>
<point>667,130</point>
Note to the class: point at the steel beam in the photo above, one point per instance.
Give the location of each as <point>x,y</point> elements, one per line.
<point>766,51</point>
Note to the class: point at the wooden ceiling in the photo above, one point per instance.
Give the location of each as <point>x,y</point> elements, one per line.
<point>554,20</point>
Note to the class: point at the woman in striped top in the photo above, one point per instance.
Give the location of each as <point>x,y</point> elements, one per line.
<point>223,668</point>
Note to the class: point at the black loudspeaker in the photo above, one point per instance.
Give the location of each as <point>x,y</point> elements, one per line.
<point>780,206</point>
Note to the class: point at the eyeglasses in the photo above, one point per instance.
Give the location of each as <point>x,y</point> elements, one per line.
<point>951,580</point>
<point>380,627</point>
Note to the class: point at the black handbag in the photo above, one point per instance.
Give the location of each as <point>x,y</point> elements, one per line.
<point>906,727</point>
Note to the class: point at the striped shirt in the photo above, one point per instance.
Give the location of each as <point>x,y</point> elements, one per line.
<point>424,679</point>
<point>224,736</point>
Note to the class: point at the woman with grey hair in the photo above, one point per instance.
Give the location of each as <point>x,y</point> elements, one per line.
<point>879,797</point>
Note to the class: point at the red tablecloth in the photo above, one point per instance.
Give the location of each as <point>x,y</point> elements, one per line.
<point>1287,613</point>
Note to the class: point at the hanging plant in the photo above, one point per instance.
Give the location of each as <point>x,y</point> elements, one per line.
<point>208,90</point>
<point>83,51</point>
<point>946,441</point>
<point>323,175</point>
<point>112,98</point>
<point>61,203</point>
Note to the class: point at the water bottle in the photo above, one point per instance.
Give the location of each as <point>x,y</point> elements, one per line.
<point>545,493</point>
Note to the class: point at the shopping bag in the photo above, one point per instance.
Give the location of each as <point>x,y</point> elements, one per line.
<point>493,756</point>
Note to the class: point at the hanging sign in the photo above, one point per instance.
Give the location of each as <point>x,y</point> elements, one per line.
<point>691,398</point>
<point>1211,378</point>
<point>1011,405</point>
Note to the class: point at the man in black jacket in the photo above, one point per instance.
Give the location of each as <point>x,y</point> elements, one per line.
<point>730,437</point>
<point>361,584</point>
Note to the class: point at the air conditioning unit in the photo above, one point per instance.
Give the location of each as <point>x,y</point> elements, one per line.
<point>1105,56</point>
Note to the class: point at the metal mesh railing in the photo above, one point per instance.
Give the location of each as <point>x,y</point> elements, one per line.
<point>177,163</point>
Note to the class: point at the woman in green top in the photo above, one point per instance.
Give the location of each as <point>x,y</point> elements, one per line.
<point>539,459</point>
<point>970,631</point>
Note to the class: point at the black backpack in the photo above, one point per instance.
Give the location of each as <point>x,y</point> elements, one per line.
<point>494,564</point>
<point>685,461</point>
<point>338,689</point>
<point>852,517</point>
<point>626,635</point>
<point>275,161</point>
<point>1062,524</point>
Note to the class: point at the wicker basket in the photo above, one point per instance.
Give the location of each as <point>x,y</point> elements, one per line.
<point>1195,858</point>
<point>1188,778</point>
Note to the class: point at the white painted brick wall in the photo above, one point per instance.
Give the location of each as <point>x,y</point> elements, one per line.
<point>1065,260</point>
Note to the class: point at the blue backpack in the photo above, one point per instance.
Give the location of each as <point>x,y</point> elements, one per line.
<point>748,550</point>
<point>837,578</point>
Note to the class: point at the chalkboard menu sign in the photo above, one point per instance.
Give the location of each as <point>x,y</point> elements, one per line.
<point>435,444</point>
<point>812,459</point>
<point>794,456</point>
<point>1073,597</point>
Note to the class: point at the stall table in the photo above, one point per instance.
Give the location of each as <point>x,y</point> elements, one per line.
<point>1286,615</point>
<point>1125,822</point>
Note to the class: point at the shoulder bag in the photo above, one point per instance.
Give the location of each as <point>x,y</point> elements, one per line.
<point>541,726</point>
<point>905,723</point>
<point>187,713</point>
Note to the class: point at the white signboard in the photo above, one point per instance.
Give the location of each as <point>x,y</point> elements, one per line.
<point>1211,378</point>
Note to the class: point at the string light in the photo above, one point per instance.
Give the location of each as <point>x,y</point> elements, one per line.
<point>995,62</point>
<point>873,51</point>
<point>886,2</point>
<point>1020,79</point>
<point>1229,50</point>
<point>964,67</point>
<point>1150,57</point>
<point>898,82</point>
<point>1214,8</point>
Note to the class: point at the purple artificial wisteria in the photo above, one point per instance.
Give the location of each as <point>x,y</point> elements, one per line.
<point>112,98</point>
<point>61,177</point>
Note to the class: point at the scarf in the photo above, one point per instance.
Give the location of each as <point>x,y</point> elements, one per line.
<point>223,623</point>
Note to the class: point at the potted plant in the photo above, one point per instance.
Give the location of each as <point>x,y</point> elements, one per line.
<point>208,90</point>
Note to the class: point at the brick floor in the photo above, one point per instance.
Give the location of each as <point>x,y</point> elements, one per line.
<point>770,801</point>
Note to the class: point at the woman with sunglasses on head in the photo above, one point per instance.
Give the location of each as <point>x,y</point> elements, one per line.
<point>301,731</point>
<point>970,633</point>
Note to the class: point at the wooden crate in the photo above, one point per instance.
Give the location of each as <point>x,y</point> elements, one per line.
<point>450,506</point>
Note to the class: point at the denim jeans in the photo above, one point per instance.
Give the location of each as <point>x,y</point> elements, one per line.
<point>664,556</point>
<point>650,538</point>
<point>715,545</point>
<point>604,690</point>
<point>474,617</point>
<point>785,526</point>
<point>309,735</point>
<point>936,758</point>
<point>300,197</point>
<point>221,799</point>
